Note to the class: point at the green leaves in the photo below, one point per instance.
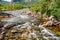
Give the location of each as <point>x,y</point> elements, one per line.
<point>48,7</point>
<point>56,9</point>
<point>35,8</point>
<point>11,6</point>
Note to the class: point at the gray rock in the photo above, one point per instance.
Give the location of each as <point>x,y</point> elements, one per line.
<point>1,37</point>
<point>14,31</point>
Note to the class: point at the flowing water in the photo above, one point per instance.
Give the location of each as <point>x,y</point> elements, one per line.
<point>46,33</point>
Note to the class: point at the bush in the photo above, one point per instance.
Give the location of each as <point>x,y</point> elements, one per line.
<point>35,7</point>
<point>48,7</point>
<point>11,6</point>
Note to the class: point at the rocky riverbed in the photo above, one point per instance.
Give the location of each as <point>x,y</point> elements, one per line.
<point>27,31</point>
<point>28,26</point>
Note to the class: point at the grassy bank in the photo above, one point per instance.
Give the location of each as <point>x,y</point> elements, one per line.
<point>11,6</point>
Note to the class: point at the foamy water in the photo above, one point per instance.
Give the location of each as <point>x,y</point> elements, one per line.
<point>45,33</point>
<point>48,33</point>
<point>18,19</point>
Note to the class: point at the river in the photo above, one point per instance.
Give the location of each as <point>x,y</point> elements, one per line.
<point>45,33</point>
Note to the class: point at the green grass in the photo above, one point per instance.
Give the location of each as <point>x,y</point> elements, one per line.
<point>11,6</point>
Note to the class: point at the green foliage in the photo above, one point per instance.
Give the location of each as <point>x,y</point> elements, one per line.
<point>35,8</point>
<point>56,9</point>
<point>10,6</point>
<point>48,7</point>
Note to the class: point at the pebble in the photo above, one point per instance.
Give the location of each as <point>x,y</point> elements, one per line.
<point>9,25</point>
<point>24,27</point>
<point>1,37</point>
<point>14,31</point>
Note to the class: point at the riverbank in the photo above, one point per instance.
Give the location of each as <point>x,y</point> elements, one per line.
<point>27,25</point>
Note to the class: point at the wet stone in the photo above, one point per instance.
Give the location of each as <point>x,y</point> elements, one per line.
<point>1,37</point>
<point>14,31</point>
<point>24,27</point>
